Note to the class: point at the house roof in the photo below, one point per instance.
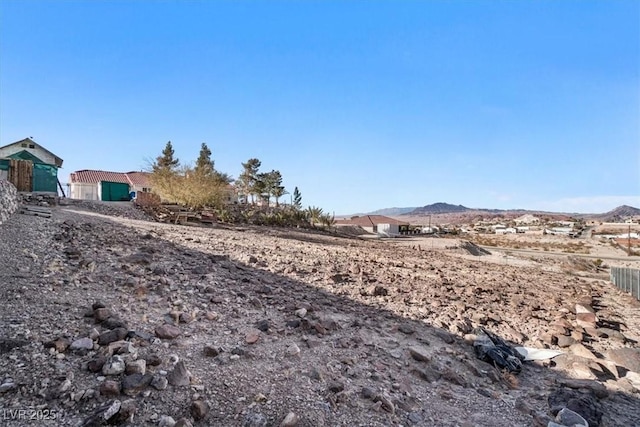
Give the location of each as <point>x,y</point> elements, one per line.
<point>58,160</point>
<point>87,176</point>
<point>370,220</point>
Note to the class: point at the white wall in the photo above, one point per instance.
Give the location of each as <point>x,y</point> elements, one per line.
<point>84,191</point>
<point>390,229</point>
<point>38,152</point>
<point>4,174</point>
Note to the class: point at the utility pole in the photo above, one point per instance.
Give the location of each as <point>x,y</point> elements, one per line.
<point>629,242</point>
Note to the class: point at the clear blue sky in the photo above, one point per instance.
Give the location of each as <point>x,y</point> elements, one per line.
<point>361,104</point>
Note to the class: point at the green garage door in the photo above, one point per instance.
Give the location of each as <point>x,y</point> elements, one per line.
<point>114,191</point>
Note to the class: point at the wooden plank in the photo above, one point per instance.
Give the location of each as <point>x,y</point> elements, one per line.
<point>40,214</point>
<point>37,209</point>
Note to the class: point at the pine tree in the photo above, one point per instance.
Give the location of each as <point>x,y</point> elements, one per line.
<point>248,179</point>
<point>204,164</point>
<point>297,198</point>
<point>166,162</point>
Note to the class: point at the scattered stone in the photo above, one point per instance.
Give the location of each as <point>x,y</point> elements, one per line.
<point>110,388</point>
<point>96,364</point>
<point>127,411</point>
<point>420,354</point>
<point>252,336</point>
<point>565,341</point>
<point>179,376</point>
<point>138,366</point>
<point>263,325</point>
<point>113,323</point>
<point>406,328</point>
<point>629,358</point>
<point>82,344</point>
<point>335,386</point>
<point>291,420</point>
<point>254,419</point>
<point>133,384</point>
<point>199,409</point>
<point>293,350</point>
<point>113,335</point>
<point>60,344</point>
<point>114,366</point>
<point>183,422</point>
<point>153,360</point>
<point>380,291</point>
<point>580,350</point>
<point>445,336</point>
<point>166,421</point>
<point>101,314</point>
<point>159,382</point>
<point>594,386</point>
<point>301,312</point>
<point>387,405</point>
<point>168,332</point>
<point>210,351</point>
<point>7,386</point>
<point>585,404</point>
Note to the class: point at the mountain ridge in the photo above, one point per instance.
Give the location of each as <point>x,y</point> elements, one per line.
<point>618,213</point>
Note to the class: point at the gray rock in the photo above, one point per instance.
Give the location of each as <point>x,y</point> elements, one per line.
<point>111,410</point>
<point>159,382</point>
<point>179,376</point>
<point>136,367</point>
<point>7,386</point>
<point>101,314</point>
<point>96,364</point>
<point>420,354</point>
<point>199,409</point>
<point>127,411</point>
<point>133,384</point>
<point>113,335</point>
<point>81,344</point>
<point>291,420</point>
<point>253,419</point>
<point>567,417</point>
<point>183,422</point>
<point>8,200</point>
<point>210,351</point>
<point>166,421</point>
<point>114,366</point>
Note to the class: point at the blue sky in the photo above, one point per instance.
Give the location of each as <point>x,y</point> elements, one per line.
<point>361,104</point>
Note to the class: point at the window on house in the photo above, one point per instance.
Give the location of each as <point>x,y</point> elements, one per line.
<point>146,190</point>
<point>32,146</point>
<point>24,145</point>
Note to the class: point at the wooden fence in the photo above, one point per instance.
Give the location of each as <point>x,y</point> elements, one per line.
<point>21,174</point>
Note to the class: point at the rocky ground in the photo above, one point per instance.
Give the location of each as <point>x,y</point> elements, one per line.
<point>108,318</point>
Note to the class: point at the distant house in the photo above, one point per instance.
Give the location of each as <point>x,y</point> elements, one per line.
<point>377,224</point>
<point>527,219</point>
<point>107,186</point>
<point>30,166</point>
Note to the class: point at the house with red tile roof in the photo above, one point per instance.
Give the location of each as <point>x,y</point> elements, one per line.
<point>378,224</point>
<point>89,184</point>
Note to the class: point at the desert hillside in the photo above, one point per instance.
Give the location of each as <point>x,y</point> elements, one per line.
<point>110,318</point>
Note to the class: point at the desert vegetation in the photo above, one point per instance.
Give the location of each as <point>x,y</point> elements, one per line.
<point>215,195</point>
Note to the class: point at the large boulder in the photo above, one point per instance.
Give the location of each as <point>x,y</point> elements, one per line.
<point>8,200</point>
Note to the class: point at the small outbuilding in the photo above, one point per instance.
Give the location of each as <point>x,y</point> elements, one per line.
<point>377,224</point>
<point>107,186</point>
<point>30,167</point>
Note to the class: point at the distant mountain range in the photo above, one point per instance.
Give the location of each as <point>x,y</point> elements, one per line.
<point>441,208</point>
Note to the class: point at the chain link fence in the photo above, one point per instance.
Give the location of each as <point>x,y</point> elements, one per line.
<point>626,279</point>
